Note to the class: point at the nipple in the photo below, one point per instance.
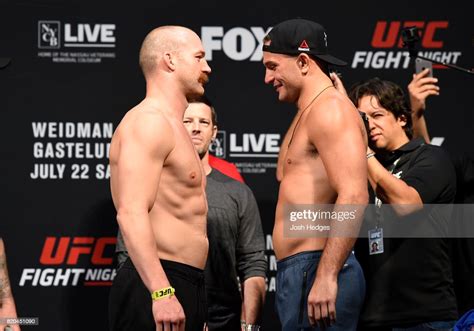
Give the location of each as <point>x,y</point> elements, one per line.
<point>192,175</point>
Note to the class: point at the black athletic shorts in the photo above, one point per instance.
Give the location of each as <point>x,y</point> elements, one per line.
<point>130,302</point>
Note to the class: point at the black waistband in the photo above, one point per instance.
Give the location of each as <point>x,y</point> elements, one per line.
<point>192,274</point>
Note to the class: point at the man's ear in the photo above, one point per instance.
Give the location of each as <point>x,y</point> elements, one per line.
<point>302,61</point>
<point>402,120</point>
<point>168,60</point>
<point>214,132</point>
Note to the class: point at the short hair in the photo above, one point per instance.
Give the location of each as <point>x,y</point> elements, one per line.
<point>389,95</point>
<point>205,100</point>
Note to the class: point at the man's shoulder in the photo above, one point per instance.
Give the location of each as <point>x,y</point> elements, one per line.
<point>228,184</point>
<point>427,159</point>
<point>142,114</point>
<point>434,153</point>
<point>333,99</point>
<point>225,167</point>
<point>219,177</point>
<point>437,150</point>
<point>142,121</point>
<point>142,129</point>
<point>430,170</point>
<point>333,108</point>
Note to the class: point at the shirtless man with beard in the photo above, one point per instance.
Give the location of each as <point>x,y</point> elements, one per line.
<point>157,185</point>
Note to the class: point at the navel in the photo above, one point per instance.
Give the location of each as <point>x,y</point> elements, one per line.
<point>288,161</point>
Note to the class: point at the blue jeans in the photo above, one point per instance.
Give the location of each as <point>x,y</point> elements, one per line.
<point>295,277</point>
<point>430,326</point>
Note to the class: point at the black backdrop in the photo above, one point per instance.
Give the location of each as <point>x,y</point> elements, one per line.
<point>74,74</point>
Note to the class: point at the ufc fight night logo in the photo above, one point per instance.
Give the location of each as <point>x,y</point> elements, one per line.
<point>49,34</point>
<point>387,50</point>
<point>73,261</point>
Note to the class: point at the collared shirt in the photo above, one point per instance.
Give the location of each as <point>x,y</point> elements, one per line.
<point>411,282</point>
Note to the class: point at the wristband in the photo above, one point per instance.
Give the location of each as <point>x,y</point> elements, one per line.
<point>163,293</point>
<point>370,155</point>
<point>252,327</point>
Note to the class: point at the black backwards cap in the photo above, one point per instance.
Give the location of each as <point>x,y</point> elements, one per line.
<point>296,36</point>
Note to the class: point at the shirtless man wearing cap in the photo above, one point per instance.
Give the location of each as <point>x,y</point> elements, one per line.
<point>322,162</point>
<point>157,185</point>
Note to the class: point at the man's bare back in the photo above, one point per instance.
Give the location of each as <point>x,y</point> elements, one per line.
<point>305,178</point>
<point>178,213</point>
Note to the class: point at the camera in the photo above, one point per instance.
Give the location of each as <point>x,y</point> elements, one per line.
<point>365,119</point>
<point>410,37</point>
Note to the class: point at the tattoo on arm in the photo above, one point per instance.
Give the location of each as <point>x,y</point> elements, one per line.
<point>5,291</point>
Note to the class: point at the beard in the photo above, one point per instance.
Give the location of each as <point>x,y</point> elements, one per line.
<point>203,79</point>
<point>194,94</point>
